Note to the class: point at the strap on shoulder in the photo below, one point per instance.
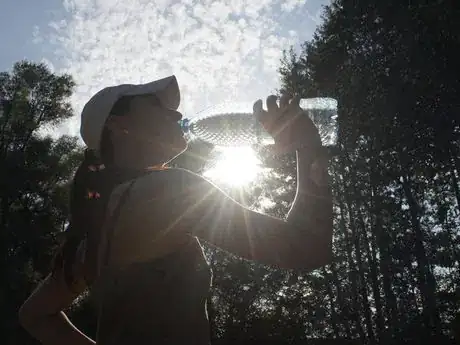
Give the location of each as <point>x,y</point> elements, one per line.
<point>110,226</point>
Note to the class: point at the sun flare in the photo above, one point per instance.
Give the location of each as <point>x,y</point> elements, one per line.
<point>235,166</point>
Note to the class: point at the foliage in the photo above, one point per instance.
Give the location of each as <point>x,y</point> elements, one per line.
<point>34,171</point>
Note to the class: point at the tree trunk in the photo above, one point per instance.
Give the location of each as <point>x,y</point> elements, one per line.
<point>334,316</point>
<point>455,171</point>
<point>385,263</point>
<point>362,278</point>
<point>343,307</point>
<point>371,250</point>
<point>353,274</point>
<point>427,281</point>
<point>372,261</point>
<point>455,187</point>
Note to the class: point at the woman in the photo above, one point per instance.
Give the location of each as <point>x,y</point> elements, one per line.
<point>135,224</point>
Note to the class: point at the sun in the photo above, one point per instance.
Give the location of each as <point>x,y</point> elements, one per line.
<point>234,166</point>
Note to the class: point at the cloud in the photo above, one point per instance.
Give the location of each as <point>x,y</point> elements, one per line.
<point>219,50</point>
<point>290,5</point>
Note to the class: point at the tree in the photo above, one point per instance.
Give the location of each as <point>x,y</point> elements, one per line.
<point>389,65</point>
<point>34,172</point>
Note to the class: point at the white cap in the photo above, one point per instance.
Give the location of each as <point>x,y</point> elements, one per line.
<point>98,108</point>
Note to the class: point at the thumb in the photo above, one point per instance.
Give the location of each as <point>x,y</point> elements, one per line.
<point>257,106</point>
<point>257,110</point>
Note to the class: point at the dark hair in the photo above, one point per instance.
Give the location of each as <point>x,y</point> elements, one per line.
<point>92,185</point>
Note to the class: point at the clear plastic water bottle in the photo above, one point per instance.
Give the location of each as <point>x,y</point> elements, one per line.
<point>233,124</point>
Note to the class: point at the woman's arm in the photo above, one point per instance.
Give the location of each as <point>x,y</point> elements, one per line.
<point>303,241</point>
<point>165,207</point>
<point>42,316</point>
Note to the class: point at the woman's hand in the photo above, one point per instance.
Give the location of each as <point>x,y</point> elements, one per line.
<point>290,127</point>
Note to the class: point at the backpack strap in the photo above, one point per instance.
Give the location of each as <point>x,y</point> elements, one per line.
<point>110,225</point>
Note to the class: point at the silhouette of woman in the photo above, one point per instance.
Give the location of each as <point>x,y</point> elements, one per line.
<point>135,224</point>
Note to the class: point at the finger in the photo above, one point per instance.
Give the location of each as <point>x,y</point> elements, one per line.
<point>284,100</point>
<point>294,106</point>
<point>257,106</point>
<point>289,115</point>
<point>257,109</point>
<point>272,106</point>
<point>295,101</point>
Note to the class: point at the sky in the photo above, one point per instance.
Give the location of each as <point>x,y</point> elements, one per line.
<point>220,51</point>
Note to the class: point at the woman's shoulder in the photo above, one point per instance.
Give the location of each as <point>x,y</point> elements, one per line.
<point>152,183</point>
<point>171,179</point>
<point>162,185</point>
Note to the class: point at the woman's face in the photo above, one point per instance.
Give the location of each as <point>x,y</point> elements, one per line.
<point>147,134</point>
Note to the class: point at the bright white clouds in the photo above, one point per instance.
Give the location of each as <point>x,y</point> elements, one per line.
<point>219,50</point>
<point>289,5</point>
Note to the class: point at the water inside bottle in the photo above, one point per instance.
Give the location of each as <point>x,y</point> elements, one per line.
<point>233,123</point>
<point>323,112</point>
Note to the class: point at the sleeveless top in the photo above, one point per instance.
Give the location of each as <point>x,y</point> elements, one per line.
<point>157,302</point>
<point>161,300</point>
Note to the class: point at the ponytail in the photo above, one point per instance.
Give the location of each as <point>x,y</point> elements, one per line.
<point>90,192</point>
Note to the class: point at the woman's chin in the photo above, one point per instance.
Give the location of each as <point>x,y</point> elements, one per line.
<point>172,150</point>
